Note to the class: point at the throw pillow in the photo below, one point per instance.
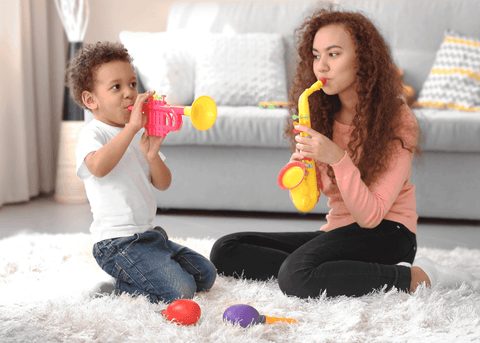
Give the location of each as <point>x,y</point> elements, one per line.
<point>454,80</point>
<point>242,69</point>
<point>164,62</point>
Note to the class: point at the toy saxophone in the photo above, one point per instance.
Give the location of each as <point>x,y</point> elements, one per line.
<point>303,189</point>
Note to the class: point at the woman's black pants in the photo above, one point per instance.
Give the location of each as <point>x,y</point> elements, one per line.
<point>350,260</point>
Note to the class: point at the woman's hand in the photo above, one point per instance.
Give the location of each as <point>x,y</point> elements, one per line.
<point>318,147</point>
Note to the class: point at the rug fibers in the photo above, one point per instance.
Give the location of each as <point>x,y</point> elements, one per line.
<point>45,279</point>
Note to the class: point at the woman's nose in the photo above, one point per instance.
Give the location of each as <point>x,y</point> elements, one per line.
<point>322,65</point>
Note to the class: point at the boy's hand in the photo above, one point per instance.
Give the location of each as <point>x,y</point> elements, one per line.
<point>161,175</point>
<point>138,120</point>
<point>150,145</point>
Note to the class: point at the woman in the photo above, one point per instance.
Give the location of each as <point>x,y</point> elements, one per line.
<point>363,139</point>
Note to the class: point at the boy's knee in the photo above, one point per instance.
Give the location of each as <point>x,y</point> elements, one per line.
<point>208,277</point>
<point>184,291</point>
<point>211,276</point>
<point>187,291</point>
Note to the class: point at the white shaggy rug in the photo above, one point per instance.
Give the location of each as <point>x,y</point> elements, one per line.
<point>45,279</point>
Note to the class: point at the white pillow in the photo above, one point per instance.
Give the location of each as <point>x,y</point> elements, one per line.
<point>242,69</point>
<point>164,62</point>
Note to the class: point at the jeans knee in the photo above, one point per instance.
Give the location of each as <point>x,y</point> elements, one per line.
<point>187,291</point>
<point>209,276</point>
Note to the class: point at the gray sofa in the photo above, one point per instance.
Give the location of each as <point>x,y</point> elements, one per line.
<point>234,165</point>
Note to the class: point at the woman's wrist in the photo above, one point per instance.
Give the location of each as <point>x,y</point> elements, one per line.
<point>338,156</point>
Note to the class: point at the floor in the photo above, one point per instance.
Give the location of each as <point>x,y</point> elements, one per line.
<point>43,214</point>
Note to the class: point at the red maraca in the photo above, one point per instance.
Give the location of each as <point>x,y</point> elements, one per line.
<point>183,311</point>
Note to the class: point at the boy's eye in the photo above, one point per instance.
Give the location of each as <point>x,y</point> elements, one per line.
<point>133,84</point>
<point>116,87</point>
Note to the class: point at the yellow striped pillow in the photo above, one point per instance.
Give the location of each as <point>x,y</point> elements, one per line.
<point>454,81</point>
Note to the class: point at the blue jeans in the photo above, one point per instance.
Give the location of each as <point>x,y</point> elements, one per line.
<point>150,264</point>
<point>348,261</point>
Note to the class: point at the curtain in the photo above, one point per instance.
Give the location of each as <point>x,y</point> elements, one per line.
<point>32,76</point>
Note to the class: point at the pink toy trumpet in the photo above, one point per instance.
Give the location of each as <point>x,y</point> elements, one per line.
<point>163,118</point>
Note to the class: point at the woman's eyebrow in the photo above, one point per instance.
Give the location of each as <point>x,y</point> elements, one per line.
<point>329,47</point>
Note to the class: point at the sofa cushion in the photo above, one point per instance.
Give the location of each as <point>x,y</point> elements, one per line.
<point>246,126</point>
<point>252,126</point>
<point>164,62</point>
<point>454,80</point>
<point>241,69</point>
<point>449,130</point>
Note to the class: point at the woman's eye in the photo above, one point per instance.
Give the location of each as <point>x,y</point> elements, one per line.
<point>334,54</point>
<point>316,57</point>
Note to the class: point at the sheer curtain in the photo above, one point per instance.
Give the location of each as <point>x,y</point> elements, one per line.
<point>32,63</point>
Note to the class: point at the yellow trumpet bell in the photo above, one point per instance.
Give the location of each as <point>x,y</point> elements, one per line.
<point>203,113</point>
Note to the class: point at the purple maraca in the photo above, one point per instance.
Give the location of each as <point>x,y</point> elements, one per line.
<point>244,315</point>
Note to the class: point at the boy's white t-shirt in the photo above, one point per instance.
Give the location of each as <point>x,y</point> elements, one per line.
<point>122,202</point>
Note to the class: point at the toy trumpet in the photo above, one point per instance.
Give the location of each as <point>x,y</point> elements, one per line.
<point>246,315</point>
<point>163,118</point>
<point>303,189</point>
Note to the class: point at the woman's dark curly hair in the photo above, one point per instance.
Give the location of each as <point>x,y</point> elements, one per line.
<point>83,67</point>
<point>377,120</point>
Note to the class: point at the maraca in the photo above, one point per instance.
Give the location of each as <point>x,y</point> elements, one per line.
<point>246,315</point>
<point>183,311</point>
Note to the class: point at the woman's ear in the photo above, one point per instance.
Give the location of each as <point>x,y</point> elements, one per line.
<point>89,100</point>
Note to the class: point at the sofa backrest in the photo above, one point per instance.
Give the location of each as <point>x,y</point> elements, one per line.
<point>414,29</point>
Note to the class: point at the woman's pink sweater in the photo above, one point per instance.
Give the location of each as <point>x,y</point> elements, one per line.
<point>391,197</point>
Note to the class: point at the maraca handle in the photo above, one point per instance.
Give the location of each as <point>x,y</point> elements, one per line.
<point>271,320</point>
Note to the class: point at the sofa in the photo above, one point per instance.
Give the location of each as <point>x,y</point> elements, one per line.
<point>234,166</point>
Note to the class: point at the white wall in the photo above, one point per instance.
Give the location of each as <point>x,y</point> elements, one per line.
<point>109,17</point>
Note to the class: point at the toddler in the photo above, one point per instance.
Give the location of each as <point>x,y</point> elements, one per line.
<point>119,166</point>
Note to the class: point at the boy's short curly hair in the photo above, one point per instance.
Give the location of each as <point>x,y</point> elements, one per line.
<point>83,67</point>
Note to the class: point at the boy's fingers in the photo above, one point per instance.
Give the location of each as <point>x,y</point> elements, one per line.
<point>142,97</point>
<point>144,137</point>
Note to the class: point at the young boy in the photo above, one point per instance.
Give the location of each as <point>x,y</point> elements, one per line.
<point>119,165</point>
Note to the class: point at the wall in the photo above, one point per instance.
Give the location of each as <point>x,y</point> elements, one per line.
<point>109,17</point>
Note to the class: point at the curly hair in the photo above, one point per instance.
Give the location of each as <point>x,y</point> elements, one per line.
<point>377,119</point>
<point>82,69</point>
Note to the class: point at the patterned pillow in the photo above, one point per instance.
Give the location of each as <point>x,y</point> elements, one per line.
<point>242,69</point>
<point>454,81</point>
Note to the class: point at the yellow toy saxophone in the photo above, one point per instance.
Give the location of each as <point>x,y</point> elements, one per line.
<point>303,189</point>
